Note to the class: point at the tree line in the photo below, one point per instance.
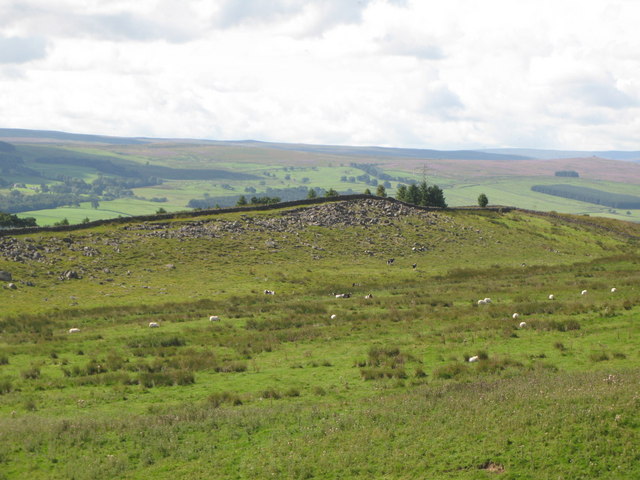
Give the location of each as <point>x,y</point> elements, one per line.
<point>590,195</point>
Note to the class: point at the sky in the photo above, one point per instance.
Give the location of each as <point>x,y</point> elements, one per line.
<point>455,74</point>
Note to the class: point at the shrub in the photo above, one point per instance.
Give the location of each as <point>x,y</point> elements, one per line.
<point>318,390</point>
<point>4,360</point>
<point>292,392</point>
<point>31,373</point>
<point>271,393</point>
<point>599,357</point>
<point>218,398</point>
<point>5,386</point>
<point>449,371</point>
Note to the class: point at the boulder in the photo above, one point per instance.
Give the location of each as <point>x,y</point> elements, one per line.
<point>5,276</point>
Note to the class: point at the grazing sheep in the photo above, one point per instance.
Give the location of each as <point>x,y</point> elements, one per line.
<point>487,300</point>
<point>390,261</point>
<point>515,316</point>
<point>614,290</point>
<point>475,358</point>
<point>74,330</point>
<point>583,292</point>
<point>522,324</point>
<point>334,316</point>
<point>214,318</point>
<point>552,297</point>
<point>481,302</point>
<point>269,292</point>
<point>343,295</point>
<point>415,265</point>
<point>369,296</point>
<point>154,324</point>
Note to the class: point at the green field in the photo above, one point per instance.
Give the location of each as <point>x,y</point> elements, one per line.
<point>279,388</point>
<point>274,167</point>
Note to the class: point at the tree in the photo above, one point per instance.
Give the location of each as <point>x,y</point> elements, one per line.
<point>312,193</point>
<point>8,220</point>
<point>367,192</point>
<point>331,193</point>
<point>413,194</point>
<point>64,221</point>
<point>241,201</point>
<point>423,194</point>
<point>483,201</point>
<point>160,211</point>
<point>380,191</point>
<point>435,197</point>
<point>95,203</point>
<point>401,193</point>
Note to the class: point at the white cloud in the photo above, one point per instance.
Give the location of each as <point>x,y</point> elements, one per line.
<point>457,74</point>
<point>21,50</point>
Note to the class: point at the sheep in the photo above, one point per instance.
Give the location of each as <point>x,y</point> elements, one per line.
<point>515,316</point>
<point>614,290</point>
<point>552,297</point>
<point>487,300</point>
<point>74,330</point>
<point>473,359</point>
<point>369,296</point>
<point>334,316</point>
<point>390,261</point>
<point>583,292</point>
<point>415,265</point>
<point>481,302</point>
<point>154,324</point>
<point>522,324</point>
<point>343,295</point>
<point>214,318</point>
<point>269,292</point>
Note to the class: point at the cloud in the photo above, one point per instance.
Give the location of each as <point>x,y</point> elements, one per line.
<point>411,45</point>
<point>317,15</point>
<point>118,24</point>
<point>599,93</point>
<point>22,50</point>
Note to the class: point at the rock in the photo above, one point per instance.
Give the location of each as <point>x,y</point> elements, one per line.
<point>12,286</point>
<point>5,276</point>
<point>69,275</point>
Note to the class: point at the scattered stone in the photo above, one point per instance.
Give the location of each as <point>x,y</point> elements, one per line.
<point>5,276</point>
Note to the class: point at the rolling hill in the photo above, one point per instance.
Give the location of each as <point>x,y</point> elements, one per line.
<point>356,367</point>
<point>56,176</point>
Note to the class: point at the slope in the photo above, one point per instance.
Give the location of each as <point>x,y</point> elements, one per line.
<point>280,387</point>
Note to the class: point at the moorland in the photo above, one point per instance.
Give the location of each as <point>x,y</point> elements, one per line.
<point>54,177</point>
<point>357,366</point>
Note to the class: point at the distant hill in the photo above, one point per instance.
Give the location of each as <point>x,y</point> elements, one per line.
<point>633,156</point>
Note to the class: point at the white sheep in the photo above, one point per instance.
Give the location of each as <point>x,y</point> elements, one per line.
<point>368,296</point>
<point>74,330</point>
<point>334,316</point>
<point>515,316</point>
<point>614,290</point>
<point>214,318</point>
<point>552,297</point>
<point>487,300</point>
<point>523,324</point>
<point>481,302</point>
<point>154,324</point>
<point>583,292</point>
<point>269,292</point>
<point>473,359</point>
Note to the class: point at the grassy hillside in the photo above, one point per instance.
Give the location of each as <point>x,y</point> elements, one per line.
<point>176,172</point>
<point>281,388</point>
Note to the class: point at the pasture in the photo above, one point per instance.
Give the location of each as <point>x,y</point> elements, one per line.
<point>278,388</point>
